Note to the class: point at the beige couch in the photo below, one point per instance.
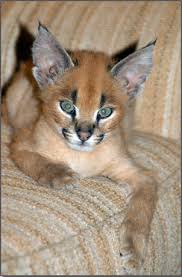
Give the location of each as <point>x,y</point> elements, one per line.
<point>76,230</point>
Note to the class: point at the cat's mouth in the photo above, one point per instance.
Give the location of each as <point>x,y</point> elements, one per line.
<point>75,143</point>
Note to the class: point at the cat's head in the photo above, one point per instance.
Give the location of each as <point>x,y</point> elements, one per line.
<point>83,101</point>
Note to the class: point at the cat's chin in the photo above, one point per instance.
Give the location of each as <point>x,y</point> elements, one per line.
<point>82,148</point>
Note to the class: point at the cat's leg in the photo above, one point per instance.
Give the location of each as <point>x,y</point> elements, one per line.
<point>43,171</point>
<point>141,190</point>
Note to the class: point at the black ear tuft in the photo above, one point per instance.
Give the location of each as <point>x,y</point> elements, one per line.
<point>152,42</point>
<point>41,26</point>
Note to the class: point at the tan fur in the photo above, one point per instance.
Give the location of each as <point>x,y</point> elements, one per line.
<point>41,152</point>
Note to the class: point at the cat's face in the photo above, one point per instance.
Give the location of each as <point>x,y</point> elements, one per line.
<point>86,104</point>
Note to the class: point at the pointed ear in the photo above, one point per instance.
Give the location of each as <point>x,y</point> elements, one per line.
<point>49,57</point>
<point>132,72</point>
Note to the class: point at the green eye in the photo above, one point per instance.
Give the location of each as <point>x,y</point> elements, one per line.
<point>105,112</point>
<point>67,106</point>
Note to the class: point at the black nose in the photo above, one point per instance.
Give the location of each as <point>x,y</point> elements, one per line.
<point>84,131</point>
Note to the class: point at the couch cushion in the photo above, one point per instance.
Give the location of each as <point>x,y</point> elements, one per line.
<point>75,230</point>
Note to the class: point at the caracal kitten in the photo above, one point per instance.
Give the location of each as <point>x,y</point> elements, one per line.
<point>75,129</point>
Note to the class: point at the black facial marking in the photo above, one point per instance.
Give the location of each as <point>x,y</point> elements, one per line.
<point>102,100</point>
<point>97,119</point>
<point>65,133</point>
<point>73,114</point>
<point>100,138</point>
<point>74,96</point>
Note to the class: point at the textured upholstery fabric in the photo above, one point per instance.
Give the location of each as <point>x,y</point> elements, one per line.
<point>76,230</point>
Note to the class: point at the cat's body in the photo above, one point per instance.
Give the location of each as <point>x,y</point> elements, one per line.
<point>75,131</point>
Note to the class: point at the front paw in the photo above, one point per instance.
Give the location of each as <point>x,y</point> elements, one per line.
<point>132,250</point>
<point>131,264</point>
<point>57,177</point>
<point>59,181</point>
